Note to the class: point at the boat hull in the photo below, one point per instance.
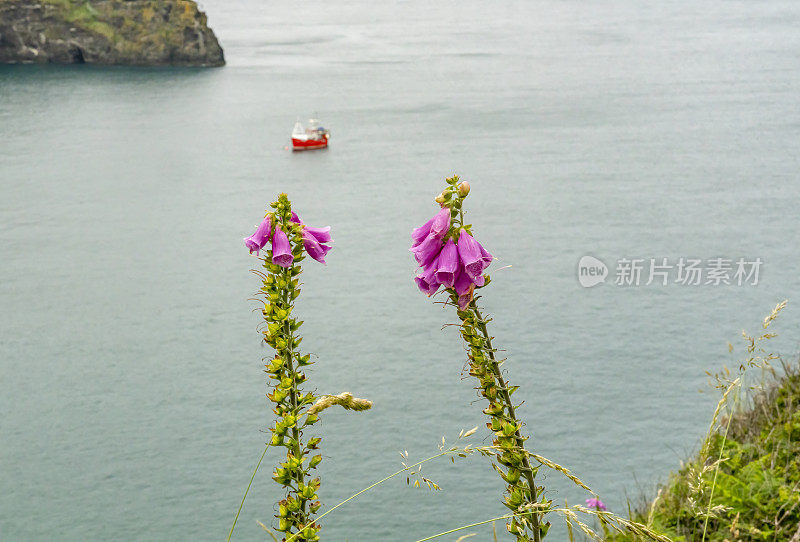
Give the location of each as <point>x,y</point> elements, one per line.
<point>309,144</point>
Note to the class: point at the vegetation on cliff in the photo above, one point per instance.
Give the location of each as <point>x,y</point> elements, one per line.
<point>132,32</point>
<point>744,484</point>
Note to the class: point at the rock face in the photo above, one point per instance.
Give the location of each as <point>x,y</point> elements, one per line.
<point>128,32</point>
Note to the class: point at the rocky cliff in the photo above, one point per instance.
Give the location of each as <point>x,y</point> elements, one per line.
<point>130,32</point>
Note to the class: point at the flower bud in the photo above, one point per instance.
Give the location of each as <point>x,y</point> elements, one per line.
<point>278,395</point>
<point>304,360</point>
<point>308,492</point>
<point>280,475</point>
<point>494,409</point>
<point>515,499</point>
<point>506,443</point>
<point>463,189</point>
<point>283,511</point>
<point>293,463</point>
<point>440,199</point>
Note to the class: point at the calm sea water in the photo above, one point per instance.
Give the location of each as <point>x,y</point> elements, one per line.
<point>131,387</point>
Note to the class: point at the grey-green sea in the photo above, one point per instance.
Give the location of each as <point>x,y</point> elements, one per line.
<point>132,391</point>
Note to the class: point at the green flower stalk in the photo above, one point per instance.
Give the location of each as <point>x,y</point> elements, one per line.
<point>291,404</point>
<point>451,258</point>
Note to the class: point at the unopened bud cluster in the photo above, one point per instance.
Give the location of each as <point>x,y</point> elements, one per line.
<point>453,196</point>
<point>280,289</point>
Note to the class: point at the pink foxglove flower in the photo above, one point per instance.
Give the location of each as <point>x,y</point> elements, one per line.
<point>313,246</point>
<point>469,252</point>
<point>438,226</point>
<point>313,239</point>
<point>426,281</point>
<point>281,250</point>
<point>257,241</point>
<point>487,258</point>
<point>464,287</point>
<point>428,237</point>
<point>447,265</point>
<point>322,235</point>
<point>428,250</point>
<point>596,503</point>
<point>419,234</point>
<point>458,265</point>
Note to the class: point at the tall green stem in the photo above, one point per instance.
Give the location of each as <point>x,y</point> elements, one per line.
<point>280,288</point>
<point>460,275</point>
<point>293,392</point>
<point>508,438</point>
<point>512,416</point>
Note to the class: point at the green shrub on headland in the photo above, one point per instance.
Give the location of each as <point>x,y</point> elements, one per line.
<point>129,32</point>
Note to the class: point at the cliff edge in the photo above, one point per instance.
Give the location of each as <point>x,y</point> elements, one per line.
<point>124,32</point>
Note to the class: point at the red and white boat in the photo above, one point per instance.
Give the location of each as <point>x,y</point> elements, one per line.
<point>313,137</point>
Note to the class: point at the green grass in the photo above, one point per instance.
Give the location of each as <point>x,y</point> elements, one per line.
<point>137,27</point>
<point>754,494</point>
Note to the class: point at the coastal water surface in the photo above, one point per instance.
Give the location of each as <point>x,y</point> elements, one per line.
<point>131,387</point>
